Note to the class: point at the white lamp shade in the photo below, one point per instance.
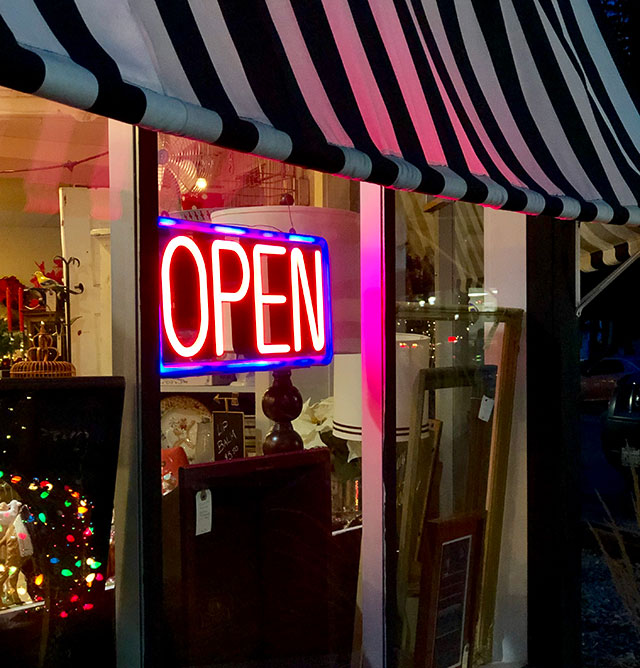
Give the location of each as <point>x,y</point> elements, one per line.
<point>412,354</point>
<point>341,229</point>
<point>347,393</point>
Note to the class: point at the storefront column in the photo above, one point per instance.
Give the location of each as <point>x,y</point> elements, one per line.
<point>378,409</point>
<point>133,162</point>
<point>553,461</point>
<point>505,279</point>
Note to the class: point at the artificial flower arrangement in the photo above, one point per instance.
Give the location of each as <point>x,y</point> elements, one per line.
<point>12,290</point>
<point>12,285</point>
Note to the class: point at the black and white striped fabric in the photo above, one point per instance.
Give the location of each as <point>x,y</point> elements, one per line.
<point>604,246</point>
<point>512,104</point>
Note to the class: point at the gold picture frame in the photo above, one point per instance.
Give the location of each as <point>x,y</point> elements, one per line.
<point>491,458</point>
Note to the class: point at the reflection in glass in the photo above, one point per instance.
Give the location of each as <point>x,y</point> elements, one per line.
<point>261,552</point>
<point>451,460</point>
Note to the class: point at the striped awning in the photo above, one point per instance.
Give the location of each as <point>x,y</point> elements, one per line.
<point>606,246</point>
<point>513,104</point>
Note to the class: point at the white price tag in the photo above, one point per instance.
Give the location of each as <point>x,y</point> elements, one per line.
<point>203,512</point>
<point>486,408</point>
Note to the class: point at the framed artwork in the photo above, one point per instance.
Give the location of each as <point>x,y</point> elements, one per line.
<point>451,555</point>
<point>233,586</point>
<point>422,460</point>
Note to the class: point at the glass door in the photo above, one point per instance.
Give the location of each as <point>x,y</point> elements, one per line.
<point>261,471</point>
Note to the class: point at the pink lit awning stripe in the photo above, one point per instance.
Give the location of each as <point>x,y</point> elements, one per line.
<point>512,104</point>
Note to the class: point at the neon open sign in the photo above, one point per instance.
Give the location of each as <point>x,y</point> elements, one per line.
<point>240,299</point>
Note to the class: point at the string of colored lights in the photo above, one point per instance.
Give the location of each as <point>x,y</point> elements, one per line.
<point>58,519</point>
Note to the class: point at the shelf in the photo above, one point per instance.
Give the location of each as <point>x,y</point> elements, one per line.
<point>21,607</point>
<point>240,387</point>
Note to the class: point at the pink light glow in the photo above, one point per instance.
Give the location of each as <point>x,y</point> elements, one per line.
<point>372,336</point>
<point>196,346</point>
<point>363,82</point>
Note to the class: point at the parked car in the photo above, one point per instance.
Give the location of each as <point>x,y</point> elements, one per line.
<point>598,380</point>
<point>621,428</point>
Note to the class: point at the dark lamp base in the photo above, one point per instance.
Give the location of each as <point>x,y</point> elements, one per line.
<point>282,403</point>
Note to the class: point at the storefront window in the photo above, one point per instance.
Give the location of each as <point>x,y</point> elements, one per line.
<point>609,411</point>
<point>60,411</point>
<point>456,354</point>
<point>261,549</point>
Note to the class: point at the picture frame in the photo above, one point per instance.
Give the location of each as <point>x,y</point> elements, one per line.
<point>451,554</point>
<point>422,457</point>
<point>489,454</point>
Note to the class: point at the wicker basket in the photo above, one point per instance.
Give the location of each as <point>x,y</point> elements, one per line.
<point>42,361</point>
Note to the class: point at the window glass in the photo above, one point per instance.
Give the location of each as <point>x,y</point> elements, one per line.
<point>60,413</point>
<point>609,413</point>
<point>606,367</point>
<point>455,358</point>
<point>261,550</point>
<point>626,399</point>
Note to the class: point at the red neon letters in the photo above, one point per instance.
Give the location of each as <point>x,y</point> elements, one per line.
<point>256,300</point>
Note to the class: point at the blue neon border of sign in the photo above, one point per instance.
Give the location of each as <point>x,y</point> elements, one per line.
<point>255,364</point>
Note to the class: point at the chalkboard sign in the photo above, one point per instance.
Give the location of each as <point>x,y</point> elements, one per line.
<point>451,609</point>
<point>228,435</point>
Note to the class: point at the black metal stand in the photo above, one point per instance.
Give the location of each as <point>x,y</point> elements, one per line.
<point>63,296</point>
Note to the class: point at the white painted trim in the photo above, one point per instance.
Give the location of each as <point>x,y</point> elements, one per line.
<point>124,353</point>
<point>372,328</point>
<point>505,263</point>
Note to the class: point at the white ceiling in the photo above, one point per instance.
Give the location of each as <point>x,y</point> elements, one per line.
<point>39,143</point>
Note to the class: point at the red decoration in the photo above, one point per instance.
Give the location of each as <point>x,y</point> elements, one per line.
<point>11,284</point>
<point>11,288</point>
<point>21,308</point>
<point>172,460</point>
<point>9,316</point>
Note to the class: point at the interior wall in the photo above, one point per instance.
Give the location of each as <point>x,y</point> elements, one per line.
<point>22,248</point>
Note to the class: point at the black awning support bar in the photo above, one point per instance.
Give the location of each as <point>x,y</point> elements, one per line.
<point>592,294</point>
